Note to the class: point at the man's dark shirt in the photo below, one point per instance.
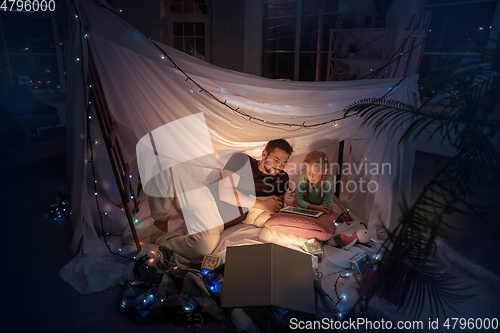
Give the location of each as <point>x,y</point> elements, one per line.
<point>259,184</point>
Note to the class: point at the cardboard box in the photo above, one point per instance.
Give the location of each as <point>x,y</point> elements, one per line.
<point>268,274</point>
<point>360,263</point>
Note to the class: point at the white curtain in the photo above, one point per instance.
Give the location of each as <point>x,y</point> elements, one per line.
<point>145,90</point>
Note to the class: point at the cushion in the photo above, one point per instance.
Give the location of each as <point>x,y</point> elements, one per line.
<point>320,228</point>
<point>272,236</point>
<point>256,217</point>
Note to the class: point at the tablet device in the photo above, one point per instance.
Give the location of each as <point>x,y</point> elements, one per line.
<point>301,211</point>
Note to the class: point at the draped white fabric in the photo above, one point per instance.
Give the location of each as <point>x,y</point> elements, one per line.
<point>144,92</point>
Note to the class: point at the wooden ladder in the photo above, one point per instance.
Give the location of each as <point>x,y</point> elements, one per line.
<point>414,33</point>
<point>109,130</point>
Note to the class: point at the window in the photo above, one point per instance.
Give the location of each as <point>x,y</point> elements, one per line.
<point>295,38</point>
<point>32,54</point>
<point>188,27</point>
<point>189,37</point>
<point>455,26</point>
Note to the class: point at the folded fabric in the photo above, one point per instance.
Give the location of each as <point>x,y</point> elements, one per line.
<point>320,228</point>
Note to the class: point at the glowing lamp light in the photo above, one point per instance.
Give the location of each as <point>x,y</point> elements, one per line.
<point>130,176</point>
<point>132,197</point>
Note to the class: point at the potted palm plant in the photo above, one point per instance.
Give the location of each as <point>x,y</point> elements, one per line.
<point>471,124</point>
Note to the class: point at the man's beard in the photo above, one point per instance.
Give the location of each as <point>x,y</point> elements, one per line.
<point>269,170</point>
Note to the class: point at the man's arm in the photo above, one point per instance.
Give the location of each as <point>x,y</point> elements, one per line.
<point>229,193</point>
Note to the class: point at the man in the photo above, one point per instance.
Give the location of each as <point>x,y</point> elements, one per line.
<point>216,204</point>
<point>267,179</point>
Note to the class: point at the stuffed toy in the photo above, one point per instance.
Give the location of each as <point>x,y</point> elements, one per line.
<point>348,241</point>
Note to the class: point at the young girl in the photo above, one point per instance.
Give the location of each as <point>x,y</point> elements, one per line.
<point>315,188</point>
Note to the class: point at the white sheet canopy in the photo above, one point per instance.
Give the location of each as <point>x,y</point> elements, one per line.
<point>144,92</point>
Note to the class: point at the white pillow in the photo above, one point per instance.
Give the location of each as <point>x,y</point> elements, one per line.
<point>272,236</point>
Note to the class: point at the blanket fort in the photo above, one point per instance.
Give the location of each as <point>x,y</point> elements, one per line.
<point>145,89</point>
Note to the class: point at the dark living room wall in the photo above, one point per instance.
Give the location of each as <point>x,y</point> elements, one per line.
<point>228,34</point>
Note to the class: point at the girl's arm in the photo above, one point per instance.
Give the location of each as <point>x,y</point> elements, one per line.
<point>328,195</point>
<point>300,193</point>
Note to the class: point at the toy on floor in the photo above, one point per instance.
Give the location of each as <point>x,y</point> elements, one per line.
<point>210,262</point>
<point>360,263</point>
<point>348,241</point>
<point>315,249</point>
<point>343,218</point>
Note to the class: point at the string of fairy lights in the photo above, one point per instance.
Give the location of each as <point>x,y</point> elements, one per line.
<point>91,141</point>
<point>250,118</point>
<point>235,110</point>
<point>287,126</point>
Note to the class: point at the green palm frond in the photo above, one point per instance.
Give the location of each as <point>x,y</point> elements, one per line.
<point>470,121</point>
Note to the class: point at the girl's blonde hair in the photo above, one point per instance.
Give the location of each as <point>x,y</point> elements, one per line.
<point>317,157</point>
<point>320,158</point>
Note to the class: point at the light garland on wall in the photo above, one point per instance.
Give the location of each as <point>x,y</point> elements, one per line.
<point>392,59</point>
<point>90,141</point>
